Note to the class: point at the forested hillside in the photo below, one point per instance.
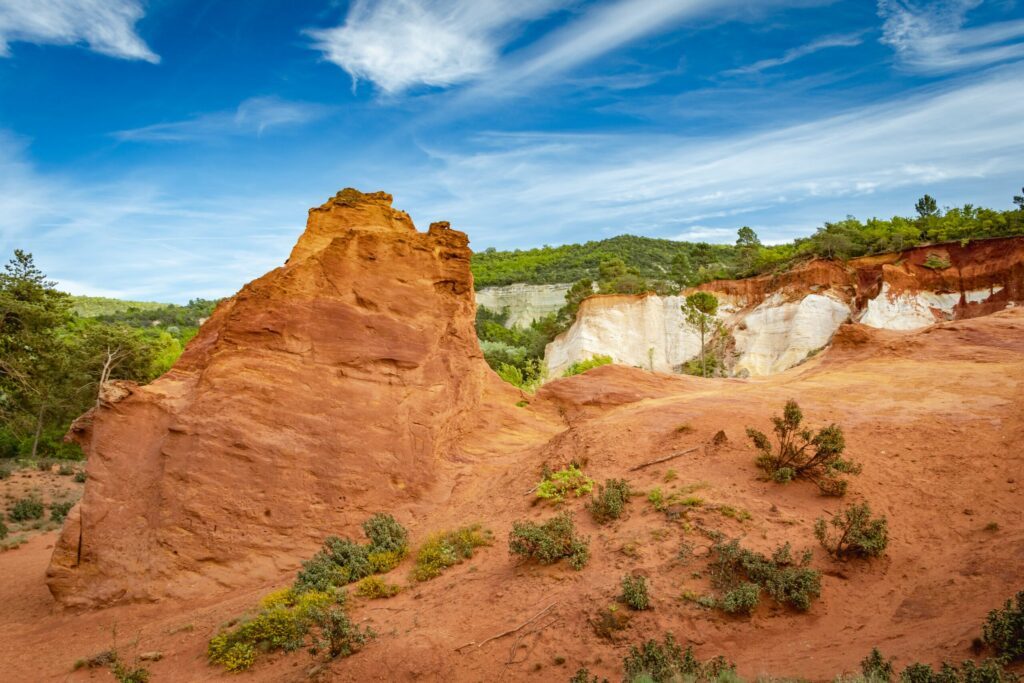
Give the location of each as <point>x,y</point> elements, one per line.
<point>692,263</point>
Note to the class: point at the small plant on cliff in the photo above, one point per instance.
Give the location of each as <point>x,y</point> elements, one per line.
<point>374,587</point>
<point>337,635</point>
<point>634,592</point>
<point>447,549</point>
<point>936,262</point>
<point>802,454</point>
<point>1004,629</point>
<point>567,481</point>
<point>581,366</point>
<point>342,561</point>
<point>25,509</point>
<point>787,580</point>
<point>610,500</point>
<point>741,600</point>
<point>666,662</point>
<point>856,533</point>
<point>550,542</point>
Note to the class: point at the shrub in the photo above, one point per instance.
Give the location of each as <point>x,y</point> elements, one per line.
<point>570,480</point>
<point>3,530</point>
<point>80,477</point>
<point>634,592</point>
<point>582,675</point>
<point>802,454</point>
<point>857,534</point>
<point>386,534</point>
<point>610,500</point>
<point>374,587</point>
<point>25,509</point>
<point>787,580</point>
<point>936,262</point>
<point>550,542</point>
<point>1004,629</point>
<point>59,511</point>
<point>741,600</point>
<point>66,470</point>
<point>338,636</point>
<point>5,471</point>
<point>581,366</point>
<point>447,549</point>
<point>666,662</point>
<point>875,667</point>
<point>319,573</point>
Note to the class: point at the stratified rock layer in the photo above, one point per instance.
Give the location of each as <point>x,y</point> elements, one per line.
<point>777,321</point>
<point>322,391</point>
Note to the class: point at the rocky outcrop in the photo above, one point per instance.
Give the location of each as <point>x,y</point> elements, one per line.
<point>329,387</point>
<point>776,321</point>
<point>525,303</point>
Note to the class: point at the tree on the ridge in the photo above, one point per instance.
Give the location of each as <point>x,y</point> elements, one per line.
<point>682,270</point>
<point>926,206</point>
<point>1018,199</point>
<point>748,247</point>
<point>700,309</point>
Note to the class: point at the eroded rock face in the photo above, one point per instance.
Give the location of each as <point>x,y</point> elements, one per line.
<point>778,320</point>
<point>525,303</point>
<point>326,388</point>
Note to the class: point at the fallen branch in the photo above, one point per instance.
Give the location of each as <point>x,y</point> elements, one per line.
<point>665,459</point>
<point>521,626</point>
<point>519,641</point>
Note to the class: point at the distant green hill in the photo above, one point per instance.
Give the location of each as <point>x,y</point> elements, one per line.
<point>95,306</point>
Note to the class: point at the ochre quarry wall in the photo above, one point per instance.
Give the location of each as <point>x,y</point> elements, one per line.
<point>777,321</point>
<point>324,390</point>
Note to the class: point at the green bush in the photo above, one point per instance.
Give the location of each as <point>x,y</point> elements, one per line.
<point>741,600</point>
<point>5,471</point>
<point>386,534</point>
<point>610,500</point>
<point>80,477</point>
<point>582,675</point>
<point>634,592</point>
<point>785,579</point>
<point>338,636</point>
<point>667,663</point>
<point>66,470</point>
<point>550,542</point>
<point>374,587</point>
<point>25,509</point>
<point>878,669</point>
<point>447,549</point>
<point>3,530</point>
<point>875,667</point>
<point>802,454</point>
<point>342,561</point>
<point>581,366</point>
<point>59,511</point>
<point>570,480</point>
<point>856,533</point>
<point>936,262</point>
<point>1004,629</point>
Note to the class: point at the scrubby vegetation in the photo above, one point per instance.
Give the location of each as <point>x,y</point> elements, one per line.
<point>26,509</point>
<point>802,454</point>
<point>550,542</point>
<point>447,549</point>
<point>59,511</point>
<point>342,561</point>
<point>876,668</point>
<point>666,662</point>
<point>634,592</point>
<point>787,580</point>
<point>579,367</point>
<point>557,485</point>
<point>374,587</point>
<point>854,533</point>
<point>610,500</point>
<point>1004,629</point>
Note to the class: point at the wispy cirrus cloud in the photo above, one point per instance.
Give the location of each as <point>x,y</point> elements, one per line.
<point>398,44</point>
<point>254,116</point>
<point>930,38</point>
<point>106,26</point>
<point>791,55</point>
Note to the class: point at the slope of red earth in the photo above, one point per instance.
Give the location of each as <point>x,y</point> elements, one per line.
<point>935,417</point>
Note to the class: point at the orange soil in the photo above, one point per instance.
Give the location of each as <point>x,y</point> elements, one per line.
<point>935,417</point>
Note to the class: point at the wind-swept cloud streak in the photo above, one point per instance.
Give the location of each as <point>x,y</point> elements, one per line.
<point>847,40</point>
<point>254,116</point>
<point>931,39</point>
<point>969,130</point>
<point>106,26</point>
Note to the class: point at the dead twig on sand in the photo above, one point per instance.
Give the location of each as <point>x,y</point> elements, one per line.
<point>521,626</point>
<point>665,459</point>
<point>519,640</point>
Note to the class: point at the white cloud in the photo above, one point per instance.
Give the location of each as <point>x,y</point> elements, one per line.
<point>964,132</point>
<point>254,116</point>
<point>931,39</point>
<point>106,26</point>
<point>399,44</point>
<point>848,40</point>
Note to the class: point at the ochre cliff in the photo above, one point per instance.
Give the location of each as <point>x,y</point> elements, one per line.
<point>777,320</point>
<point>326,388</point>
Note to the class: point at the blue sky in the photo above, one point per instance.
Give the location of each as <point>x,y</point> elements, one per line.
<point>169,149</point>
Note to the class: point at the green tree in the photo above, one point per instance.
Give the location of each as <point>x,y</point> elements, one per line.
<point>682,270</point>
<point>700,309</point>
<point>748,248</point>
<point>1018,199</point>
<point>927,207</point>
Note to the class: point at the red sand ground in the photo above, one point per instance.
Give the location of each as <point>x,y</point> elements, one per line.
<point>936,418</point>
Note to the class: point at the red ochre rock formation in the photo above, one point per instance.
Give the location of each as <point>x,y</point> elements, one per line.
<point>323,391</point>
